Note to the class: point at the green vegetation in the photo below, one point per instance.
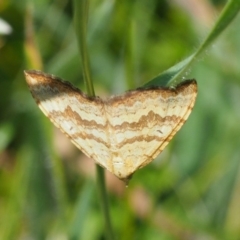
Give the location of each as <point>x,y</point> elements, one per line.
<point>48,187</point>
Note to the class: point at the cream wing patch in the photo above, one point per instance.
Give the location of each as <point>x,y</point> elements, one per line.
<point>122,133</point>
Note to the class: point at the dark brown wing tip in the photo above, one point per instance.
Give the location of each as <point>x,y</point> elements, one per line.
<point>37,77</point>
<point>187,85</point>
<point>37,74</point>
<point>34,72</point>
<point>34,77</point>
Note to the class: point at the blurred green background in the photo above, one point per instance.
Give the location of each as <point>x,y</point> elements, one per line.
<point>47,186</point>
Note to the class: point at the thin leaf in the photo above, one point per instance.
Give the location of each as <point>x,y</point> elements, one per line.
<point>174,75</point>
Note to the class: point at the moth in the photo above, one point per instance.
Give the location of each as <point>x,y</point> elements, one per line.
<point>121,133</point>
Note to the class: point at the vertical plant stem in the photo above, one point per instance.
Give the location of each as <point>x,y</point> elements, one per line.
<point>80,23</point>
<point>104,202</point>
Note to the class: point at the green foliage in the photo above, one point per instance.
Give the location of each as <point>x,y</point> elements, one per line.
<point>191,191</point>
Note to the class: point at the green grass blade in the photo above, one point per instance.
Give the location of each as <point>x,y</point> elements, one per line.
<point>80,22</point>
<point>174,75</point>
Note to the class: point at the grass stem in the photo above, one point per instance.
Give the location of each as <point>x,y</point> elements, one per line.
<point>80,22</point>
